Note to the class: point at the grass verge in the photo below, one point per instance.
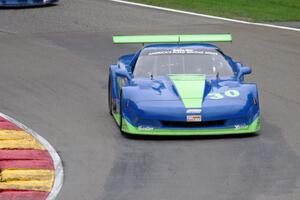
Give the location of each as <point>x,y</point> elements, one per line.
<point>249,10</point>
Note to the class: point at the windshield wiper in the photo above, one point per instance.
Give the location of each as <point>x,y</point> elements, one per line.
<point>151,75</point>
<point>217,75</point>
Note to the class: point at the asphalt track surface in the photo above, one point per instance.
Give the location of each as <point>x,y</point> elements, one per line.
<point>53,78</point>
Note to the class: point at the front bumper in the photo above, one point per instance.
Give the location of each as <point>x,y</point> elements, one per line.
<point>251,128</point>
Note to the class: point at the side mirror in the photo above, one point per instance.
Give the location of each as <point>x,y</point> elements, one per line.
<point>123,73</point>
<point>245,70</point>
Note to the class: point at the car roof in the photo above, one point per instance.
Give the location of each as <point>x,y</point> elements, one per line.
<point>182,45</point>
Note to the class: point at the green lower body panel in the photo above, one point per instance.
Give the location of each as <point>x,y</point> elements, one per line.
<point>117,118</point>
<point>130,129</point>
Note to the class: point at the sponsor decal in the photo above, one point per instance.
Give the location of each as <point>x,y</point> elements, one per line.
<point>194,118</point>
<point>145,128</point>
<point>182,51</point>
<point>240,126</point>
<point>193,111</point>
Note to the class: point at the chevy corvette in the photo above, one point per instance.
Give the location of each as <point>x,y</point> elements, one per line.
<point>178,85</point>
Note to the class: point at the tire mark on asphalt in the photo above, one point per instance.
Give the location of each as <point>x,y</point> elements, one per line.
<point>221,168</point>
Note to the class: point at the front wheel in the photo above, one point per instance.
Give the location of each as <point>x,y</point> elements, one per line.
<point>110,106</point>
<point>121,113</point>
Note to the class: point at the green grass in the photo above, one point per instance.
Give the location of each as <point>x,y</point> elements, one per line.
<point>250,10</point>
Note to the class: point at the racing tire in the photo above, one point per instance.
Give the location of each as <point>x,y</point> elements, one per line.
<point>121,113</point>
<point>110,104</point>
<point>127,135</point>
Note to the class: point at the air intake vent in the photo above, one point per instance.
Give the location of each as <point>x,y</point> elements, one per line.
<point>204,124</point>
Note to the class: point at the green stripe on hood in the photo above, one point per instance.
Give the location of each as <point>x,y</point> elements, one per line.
<point>190,88</point>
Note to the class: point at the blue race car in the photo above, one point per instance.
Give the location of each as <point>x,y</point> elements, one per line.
<point>178,86</point>
<point>25,3</point>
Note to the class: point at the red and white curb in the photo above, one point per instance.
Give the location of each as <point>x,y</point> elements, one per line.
<point>27,168</point>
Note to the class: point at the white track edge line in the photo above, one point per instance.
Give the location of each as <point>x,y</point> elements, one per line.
<point>59,172</point>
<point>206,16</point>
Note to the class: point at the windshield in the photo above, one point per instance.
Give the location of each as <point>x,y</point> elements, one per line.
<point>160,62</point>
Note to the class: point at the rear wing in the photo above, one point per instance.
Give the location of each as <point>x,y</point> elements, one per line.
<point>143,39</point>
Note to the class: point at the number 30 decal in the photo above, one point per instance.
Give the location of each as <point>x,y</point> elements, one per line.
<point>232,93</point>
<point>228,93</point>
<point>215,95</point>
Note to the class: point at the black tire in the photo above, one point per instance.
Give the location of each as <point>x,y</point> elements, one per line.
<point>110,96</point>
<point>127,135</point>
<point>121,118</point>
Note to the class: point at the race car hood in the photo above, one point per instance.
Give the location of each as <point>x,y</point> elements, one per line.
<point>190,89</point>
<point>172,87</point>
<point>173,96</point>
